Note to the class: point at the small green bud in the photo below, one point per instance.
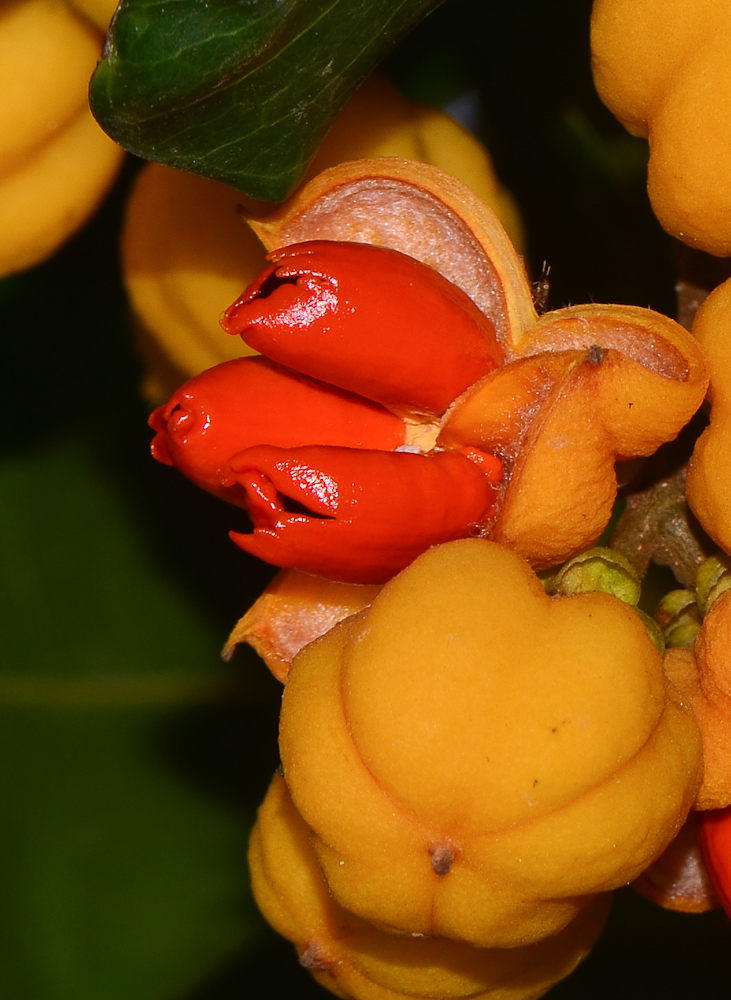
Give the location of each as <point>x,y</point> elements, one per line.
<point>653,629</point>
<point>712,579</point>
<point>679,618</point>
<point>597,569</point>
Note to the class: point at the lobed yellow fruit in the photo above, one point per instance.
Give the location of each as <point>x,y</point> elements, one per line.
<point>708,485</point>
<point>56,164</point>
<point>703,676</point>
<point>662,67</point>
<point>353,958</point>
<point>187,253</point>
<point>477,760</point>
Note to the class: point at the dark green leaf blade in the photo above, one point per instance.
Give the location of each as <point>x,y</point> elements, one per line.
<point>241,91</point>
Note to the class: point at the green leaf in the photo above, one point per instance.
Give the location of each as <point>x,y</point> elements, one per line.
<point>241,91</point>
<point>132,758</point>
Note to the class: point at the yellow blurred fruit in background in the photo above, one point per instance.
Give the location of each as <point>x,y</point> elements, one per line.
<point>56,164</point>
<point>188,254</point>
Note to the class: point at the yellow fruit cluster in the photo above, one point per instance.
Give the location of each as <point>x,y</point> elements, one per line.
<point>56,164</point>
<point>458,791</point>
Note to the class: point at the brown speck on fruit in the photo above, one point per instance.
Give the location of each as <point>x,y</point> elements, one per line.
<point>595,355</point>
<point>315,958</point>
<point>441,859</point>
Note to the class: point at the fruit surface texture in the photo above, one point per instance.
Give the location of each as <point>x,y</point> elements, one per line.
<point>477,760</point>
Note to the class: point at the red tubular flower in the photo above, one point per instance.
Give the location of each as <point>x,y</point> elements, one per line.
<point>371,320</point>
<point>358,516</point>
<point>714,834</point>
<point>332,480</point>
<point>251,401</point>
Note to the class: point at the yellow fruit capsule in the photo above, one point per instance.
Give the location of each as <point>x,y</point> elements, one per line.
<point>708,485</point>
<point>352,958</point>
<point>703,676</point>
<point>476,759</point>
<point>661,66</point>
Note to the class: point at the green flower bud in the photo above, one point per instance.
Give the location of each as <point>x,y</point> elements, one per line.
<point>597,569</point>
<point>679,618</point>
<point>712,579</point>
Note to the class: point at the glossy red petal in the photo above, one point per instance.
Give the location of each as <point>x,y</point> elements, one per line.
<point>253,401</point>
<point>368,319</point>
<point>714,836</point>
<point>357,516</point>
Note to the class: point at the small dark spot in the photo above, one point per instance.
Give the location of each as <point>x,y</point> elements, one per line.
<point>442,858</point>
<point>292,506</point>
<point>554,729</point>
<point>239,208</point>
<point>630,405</point>
<point>541,290</point>
<point>272,282</point>
<point>535,782</point>
<point>595,355</point>
<point>315,958</point>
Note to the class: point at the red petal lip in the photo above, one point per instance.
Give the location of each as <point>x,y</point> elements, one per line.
<point>159,445</point>
<point>370,320</point>
<point>356,515</point>
<point>250,401</point>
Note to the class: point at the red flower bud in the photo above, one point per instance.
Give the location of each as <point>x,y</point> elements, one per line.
<point>368,319</point>
<point>251,401</point>
<point>358,516</point>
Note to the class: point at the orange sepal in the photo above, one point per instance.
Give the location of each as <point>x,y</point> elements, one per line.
<point>590,386</point>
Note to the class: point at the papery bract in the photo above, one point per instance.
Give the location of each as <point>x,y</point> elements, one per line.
<point>368,319</point>
<point>357,516</point>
